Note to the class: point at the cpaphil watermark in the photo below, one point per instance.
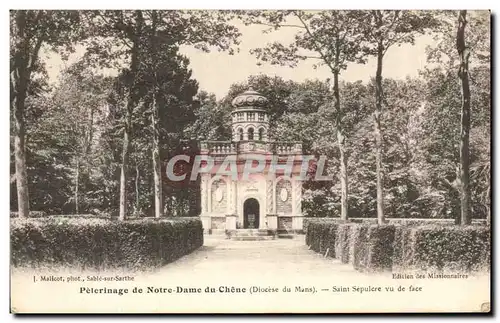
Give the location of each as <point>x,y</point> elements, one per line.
<point>182,168</point>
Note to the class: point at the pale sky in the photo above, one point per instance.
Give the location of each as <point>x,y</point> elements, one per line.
<point>216,71</point>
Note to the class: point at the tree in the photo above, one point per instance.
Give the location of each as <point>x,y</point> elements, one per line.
<point>81,93</point>
<point>30,31</point>
<point>212,120</point>
<point>463,74</point>
<point>446,96</point>
<point>334,39</point>
<point>384,29</point>
<point>172,111</point>
<point>401,127</point>
<point>48,166</point>
<point>134,31</point>
<point>155,151</point>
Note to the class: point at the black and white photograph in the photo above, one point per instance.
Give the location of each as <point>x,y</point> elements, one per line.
<point>250,161</point>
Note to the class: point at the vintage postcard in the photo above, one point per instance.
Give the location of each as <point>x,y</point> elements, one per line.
<point>250,161</point>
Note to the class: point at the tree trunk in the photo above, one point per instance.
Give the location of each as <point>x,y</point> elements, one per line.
<point>123,174</point>
<point>378,135</point>
<point>20,73</point>
<point>463,73</point>
<point>344,206</point>
<point>156,159</point>
<point>77,184</point>
<point>155,124</point>
<point>20,157</point>
<point>90,138</point>
<point>137,200</point>
<point>132,100</point>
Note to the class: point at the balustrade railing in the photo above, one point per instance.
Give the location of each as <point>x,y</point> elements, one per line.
<point>237,147</point>
<point>287,148</point>
<point>218,147</point>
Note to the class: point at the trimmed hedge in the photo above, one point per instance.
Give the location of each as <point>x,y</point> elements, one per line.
<point>395,221</point>
<point>100,243</point>
<point>374,248</point>
<point>342,245</point>
<point>43,214</point>
<point>402,248</point>
<point>306,221</point>
<point>370,247</point>
<point>32,214</point>
<point>358,246</point>
<point>456,248</point>
<point>321,238</point>
<point>422,222</point>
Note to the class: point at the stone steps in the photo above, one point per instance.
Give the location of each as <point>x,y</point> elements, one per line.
<point>251,232</point>
<point>286,236</point>
<point>252,235</point>
<point>218,232</point>
<point>252,238</point>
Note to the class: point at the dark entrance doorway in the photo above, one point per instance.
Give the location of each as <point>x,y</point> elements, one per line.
<point>251,214</point>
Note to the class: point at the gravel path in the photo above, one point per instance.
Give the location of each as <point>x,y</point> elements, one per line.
<point>220,276</point>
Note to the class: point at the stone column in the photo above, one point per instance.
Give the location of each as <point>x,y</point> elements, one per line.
<point>203,187</point>
<point>229,198</point>
<point>297,219</point>
<point>269,197</point>
<point>273,187</point>
<point>207,224</point>
<point>298,197</point>
<point>272,222</point>
<point>234,201</point>
<point>205,215</point>
<point>209,195</point>
<point>230,222</point>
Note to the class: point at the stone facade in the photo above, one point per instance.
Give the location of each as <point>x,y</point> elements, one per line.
<point>257,200</point>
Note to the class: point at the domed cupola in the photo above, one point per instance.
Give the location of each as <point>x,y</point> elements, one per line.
<point>250,99</point>
<point>250,120</point>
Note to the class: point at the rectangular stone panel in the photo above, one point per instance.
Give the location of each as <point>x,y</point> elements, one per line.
<point>219,222</point>
<point>285,223</point>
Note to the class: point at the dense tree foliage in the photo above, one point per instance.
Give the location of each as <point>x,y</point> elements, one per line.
<point>335,38</point>
<point>92,143</point>
<point>31,31</point>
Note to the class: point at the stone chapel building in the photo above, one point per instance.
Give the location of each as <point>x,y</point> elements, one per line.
<point>259,201</point>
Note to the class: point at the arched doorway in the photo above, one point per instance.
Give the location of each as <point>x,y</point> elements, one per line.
<point>251,214</point>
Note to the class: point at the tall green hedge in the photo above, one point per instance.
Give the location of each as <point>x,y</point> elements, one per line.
<point>32,214</point>
<point>394,221</point>
<point>358,246</point>
<point>306,221</point>
<point>464,248</point>
<point>342,245</point>
<point>371,247</point>
<point>374,248</point>
<point>321,238</point>
<point>99,243</point>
